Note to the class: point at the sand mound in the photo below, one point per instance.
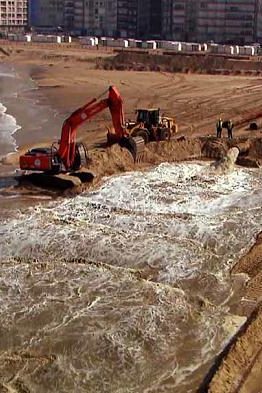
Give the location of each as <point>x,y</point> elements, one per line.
<point>211,64</point>
<point>241,369</point>
<point>114,160</point>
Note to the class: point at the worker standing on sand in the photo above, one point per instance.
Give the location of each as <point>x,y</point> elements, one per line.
<point>230,127</point>
<point>219,127</point>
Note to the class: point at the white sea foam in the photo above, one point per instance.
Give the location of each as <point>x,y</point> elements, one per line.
<point>6,75</point>
<point>8,126</point>
<point>175,218</point>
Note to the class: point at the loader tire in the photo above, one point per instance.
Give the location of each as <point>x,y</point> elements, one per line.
<point>163,134</point>
<point>143,132</point>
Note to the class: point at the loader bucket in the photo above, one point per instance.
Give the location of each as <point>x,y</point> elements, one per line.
<point>136,146</point>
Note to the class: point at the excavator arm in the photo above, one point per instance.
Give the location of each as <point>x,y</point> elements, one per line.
<point>67,145</point>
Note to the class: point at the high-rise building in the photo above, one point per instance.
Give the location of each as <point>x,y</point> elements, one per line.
<point>173,19</point>
<point>100,17</point>
<point>91,17</point>
<point>127,18</point>
<point>179,19</point>
<point>149,19</point>
<point>229,21</point>
<point>74,16</point>
<point>117,18</point>
<point>47,14</point>
<point>13,15</point>
<point>155,21</point>
<point>236,21</point>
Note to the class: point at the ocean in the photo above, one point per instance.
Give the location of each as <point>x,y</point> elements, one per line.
<point>8,123</point>
<point>23,108</point>
<point>26,119</point>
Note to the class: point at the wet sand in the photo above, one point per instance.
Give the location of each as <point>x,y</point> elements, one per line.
<point>38,123</point>
<point>37,119</point>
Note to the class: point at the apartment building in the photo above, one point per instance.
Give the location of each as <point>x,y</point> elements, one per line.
<point>226,21</point>
<point>100,17</point>
<point>179,19</point>
<point>13,15</point>
<point>74,16</point>
<point>46,14</point>
<point>174,15</point>
<point>117,18</point>
<point>127,18</point>
<point>234,21</point>
<point>139,18</point>
<point>91,17</point>
<point>149,19</point>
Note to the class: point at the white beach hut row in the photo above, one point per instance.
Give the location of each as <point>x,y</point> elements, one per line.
<point>39,38</point>
<point>170,46</point>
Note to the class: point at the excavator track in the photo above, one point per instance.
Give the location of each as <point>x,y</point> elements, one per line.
<point>136,146</point>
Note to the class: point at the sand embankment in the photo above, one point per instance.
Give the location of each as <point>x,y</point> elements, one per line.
<point>240,369</point>
<point>170,62</point>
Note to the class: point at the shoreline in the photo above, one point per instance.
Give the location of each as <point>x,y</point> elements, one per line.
<point>28,107</point>
<point>17,127</point>
<point>26,104</point>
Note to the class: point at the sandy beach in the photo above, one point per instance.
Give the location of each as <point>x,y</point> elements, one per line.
<point>50,83</point>
<point>68,79</point>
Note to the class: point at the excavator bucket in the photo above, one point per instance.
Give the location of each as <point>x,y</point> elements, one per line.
<point>136,146</point>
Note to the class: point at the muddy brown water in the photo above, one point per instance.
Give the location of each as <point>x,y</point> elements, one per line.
<point>125,288</point>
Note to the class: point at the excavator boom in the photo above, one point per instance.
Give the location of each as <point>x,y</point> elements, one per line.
<point>67,144</point>
<point>68,137</point>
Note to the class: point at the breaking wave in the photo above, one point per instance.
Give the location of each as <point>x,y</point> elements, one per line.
<point>8,126</point>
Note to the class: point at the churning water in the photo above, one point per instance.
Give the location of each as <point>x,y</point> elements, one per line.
<point>113,328</point>
<point>8,124</point>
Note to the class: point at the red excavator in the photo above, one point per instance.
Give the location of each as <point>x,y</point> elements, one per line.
<point>68,155</point>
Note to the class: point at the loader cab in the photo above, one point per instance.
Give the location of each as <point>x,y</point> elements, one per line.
<point>150,117</point>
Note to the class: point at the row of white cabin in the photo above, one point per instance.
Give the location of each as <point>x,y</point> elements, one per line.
<point>171,46</point>
<point>174,46</point>
<point>58,39</point>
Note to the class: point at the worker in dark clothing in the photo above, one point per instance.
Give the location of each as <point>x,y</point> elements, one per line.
<point>230,127</point>
<point>219,127</point>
